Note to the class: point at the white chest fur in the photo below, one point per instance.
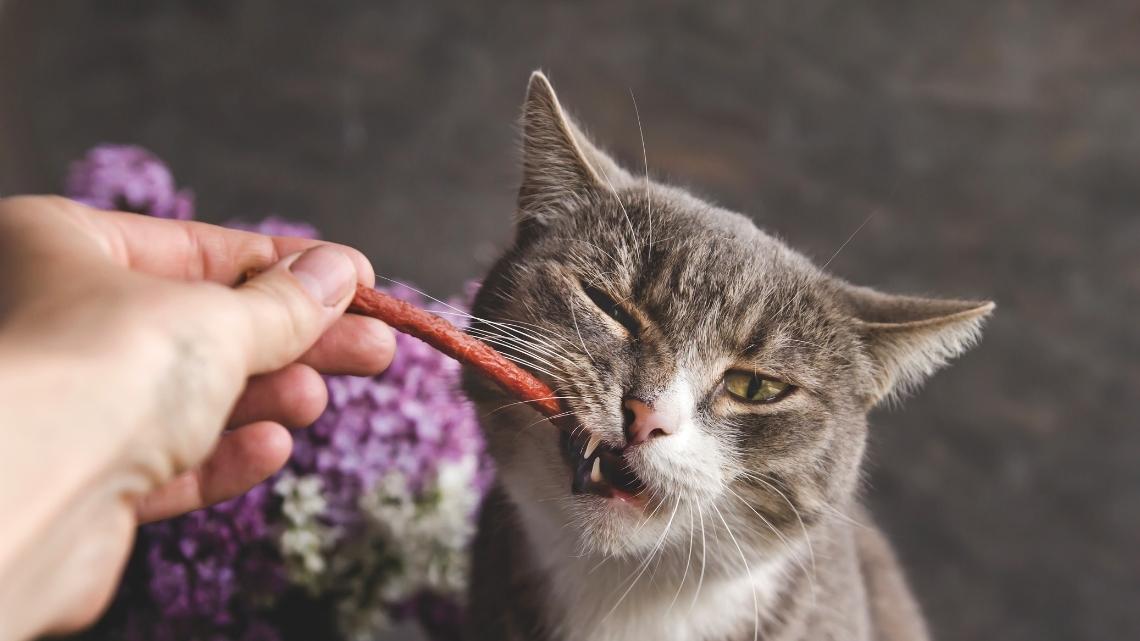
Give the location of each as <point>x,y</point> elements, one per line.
<point>659,606</point>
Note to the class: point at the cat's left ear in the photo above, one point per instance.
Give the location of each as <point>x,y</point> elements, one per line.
<point>561,167</point>
<point>910,338</point>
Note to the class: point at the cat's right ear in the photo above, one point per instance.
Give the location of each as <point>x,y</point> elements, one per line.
<point>909,338</point>
<point>561,167</point>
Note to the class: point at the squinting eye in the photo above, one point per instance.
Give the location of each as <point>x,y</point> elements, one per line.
<point>753,388</point>
<point>611,308</point>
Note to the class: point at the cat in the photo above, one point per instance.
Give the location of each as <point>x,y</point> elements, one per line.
<point>716,386</point>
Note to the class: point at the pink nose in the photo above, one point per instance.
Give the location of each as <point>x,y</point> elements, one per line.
<point>647,422</point>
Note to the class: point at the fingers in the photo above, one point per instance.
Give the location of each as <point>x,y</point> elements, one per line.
<point>294,396</point>
<point>284,310</point>
<point>189,250</point>
<point>242,459</point>
<point>354,345</point>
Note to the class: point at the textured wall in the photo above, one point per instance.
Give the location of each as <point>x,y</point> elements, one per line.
<point>996,143</point>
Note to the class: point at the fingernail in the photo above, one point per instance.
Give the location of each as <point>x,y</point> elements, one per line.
<point>327,274</point>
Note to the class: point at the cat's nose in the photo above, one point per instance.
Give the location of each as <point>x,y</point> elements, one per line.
<point>643,422</point>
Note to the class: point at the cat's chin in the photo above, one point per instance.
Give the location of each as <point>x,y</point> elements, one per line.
<point>615,528</point>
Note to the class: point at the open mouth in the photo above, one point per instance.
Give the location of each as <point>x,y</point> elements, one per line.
<point>599,468</point>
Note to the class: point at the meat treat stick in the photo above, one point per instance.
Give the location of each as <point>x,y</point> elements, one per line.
<point>453,342</point>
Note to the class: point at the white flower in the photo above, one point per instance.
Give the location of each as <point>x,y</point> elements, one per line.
<point>411,542</point>
<point>305,541</point>
<point>302,496</point>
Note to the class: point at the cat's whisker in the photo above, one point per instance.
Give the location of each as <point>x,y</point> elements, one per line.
<point>453,309</point>
<point>704,554</point>
<point>748,569</point>
<point>652,497</point>
<point>688,560</point>
<point>756,476</point>
<point>531,340</point>
<point>509,346</point>
<point>793,299</point>
<point>518,347</point>
<point>516,328</point>
<point>837,513</point>
<point>522,361</point>
<point>531,331</point>
<point>617,197</point>
<point>544,419</point>
<point>574,317</point>
<point>606,558</point>
<point>532,400</point>
<point>424,294</point>
<point>580,428</point>
<point>645,564</point>
<point>786,543</point>
<point>645,160</point>
<point>849,239</point>
<point>514,356</point>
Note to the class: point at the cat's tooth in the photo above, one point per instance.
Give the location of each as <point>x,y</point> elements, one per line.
<point>596,471</point>
<point>591,445</point>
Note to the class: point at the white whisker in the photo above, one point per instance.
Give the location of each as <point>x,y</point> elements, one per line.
<point>849,239</point>
<point>532,400</point>
<point>645,160</point>
<point>645,564</point>
<point>574,317</point>
<point>688,559</point>
<point>751,579</point>
<point>704,554</point>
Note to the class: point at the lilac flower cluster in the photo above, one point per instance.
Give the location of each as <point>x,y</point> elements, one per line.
<point>210,574</point>
<point>128,178</point>
<point>402,470</point>
<point>408,420</point>
<point>370,519</point>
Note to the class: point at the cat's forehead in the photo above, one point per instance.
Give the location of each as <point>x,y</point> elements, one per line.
<point>668,239</point>
<point>694,267</point>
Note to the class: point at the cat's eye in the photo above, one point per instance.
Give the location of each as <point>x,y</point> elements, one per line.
<point>611,308</point>
<point>750,387</point>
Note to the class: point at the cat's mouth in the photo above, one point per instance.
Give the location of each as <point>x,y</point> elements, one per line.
<point>600,469</point>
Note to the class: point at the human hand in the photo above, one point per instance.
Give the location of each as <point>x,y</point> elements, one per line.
<point>125,351</point>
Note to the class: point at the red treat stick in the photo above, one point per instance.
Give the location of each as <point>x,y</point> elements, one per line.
<point>453,342</point>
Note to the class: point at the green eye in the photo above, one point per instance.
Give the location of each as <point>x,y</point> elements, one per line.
<point>750,387</point>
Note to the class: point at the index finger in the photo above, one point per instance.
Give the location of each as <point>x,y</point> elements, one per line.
<point>188,250</point>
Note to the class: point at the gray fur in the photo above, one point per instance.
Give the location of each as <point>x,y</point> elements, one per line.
<point>759,501</point>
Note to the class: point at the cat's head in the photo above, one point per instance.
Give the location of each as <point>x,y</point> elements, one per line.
<point>707,370</point>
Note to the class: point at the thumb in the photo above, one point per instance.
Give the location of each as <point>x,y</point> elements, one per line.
<point>285,309</point>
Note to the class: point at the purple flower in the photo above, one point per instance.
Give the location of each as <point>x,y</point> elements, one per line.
<point>128,178</point>
<point>218,573</point>
<point>408,419</point>
<point>213,569</point>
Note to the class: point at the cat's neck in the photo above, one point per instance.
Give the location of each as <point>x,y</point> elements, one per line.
<point>678,592</point>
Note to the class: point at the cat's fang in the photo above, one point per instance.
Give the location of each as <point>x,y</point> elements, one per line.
<point>596,471</point>
<point>591,445</point>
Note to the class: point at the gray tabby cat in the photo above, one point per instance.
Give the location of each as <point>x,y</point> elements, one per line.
<point>718,385</point>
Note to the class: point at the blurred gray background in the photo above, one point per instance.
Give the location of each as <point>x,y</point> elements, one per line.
<point>995,146</point>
